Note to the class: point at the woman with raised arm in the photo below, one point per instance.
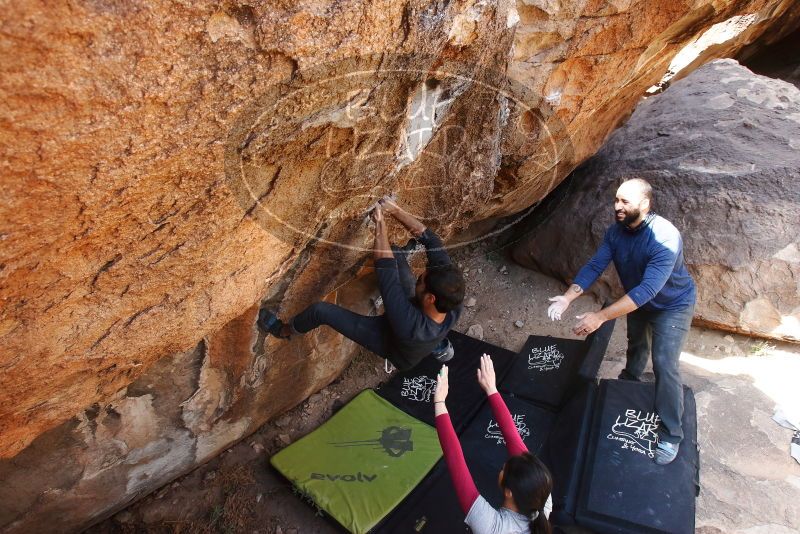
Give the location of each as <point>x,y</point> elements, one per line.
<point>524,479</point>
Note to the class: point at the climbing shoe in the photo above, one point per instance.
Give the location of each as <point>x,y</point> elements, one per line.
<point>666,452</point>
<point>444,351</point>
<point>269,323</point>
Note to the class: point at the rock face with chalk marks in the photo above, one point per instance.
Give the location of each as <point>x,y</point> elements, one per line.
<point>160,183</point>
<point>722,151</point>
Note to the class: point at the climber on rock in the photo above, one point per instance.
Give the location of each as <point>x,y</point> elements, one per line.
<point>647,251</point>
<point>418,314</point>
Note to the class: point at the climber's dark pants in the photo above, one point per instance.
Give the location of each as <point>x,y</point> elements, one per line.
<point>371,332</point>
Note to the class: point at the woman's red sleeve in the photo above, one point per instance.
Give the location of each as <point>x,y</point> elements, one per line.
<point>454,456</point>
<point>514,442</point>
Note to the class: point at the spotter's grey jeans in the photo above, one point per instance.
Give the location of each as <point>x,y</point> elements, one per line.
<point>665,332</point>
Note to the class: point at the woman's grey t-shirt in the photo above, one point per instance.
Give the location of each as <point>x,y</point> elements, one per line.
<point>483,519</point>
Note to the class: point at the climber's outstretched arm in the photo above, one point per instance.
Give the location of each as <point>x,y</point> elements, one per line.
<point>406,219</point>
<point>381,248</point>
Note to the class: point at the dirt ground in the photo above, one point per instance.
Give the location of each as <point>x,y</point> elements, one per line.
<point>750,484</point>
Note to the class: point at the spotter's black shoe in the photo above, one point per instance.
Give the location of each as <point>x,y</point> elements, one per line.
<point>625,375</point>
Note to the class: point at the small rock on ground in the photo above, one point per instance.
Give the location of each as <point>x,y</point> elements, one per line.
<point>475,331</point>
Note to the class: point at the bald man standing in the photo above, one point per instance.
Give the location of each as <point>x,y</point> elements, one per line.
<point>647,251</point>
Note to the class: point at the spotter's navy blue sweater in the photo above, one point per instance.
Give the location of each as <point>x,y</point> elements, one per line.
<point>649,260</point>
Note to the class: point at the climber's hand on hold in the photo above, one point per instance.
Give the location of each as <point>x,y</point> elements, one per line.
<point>381,248</point>
<point>388,204</point>
<point>411,223</point>
<point>377,216</point>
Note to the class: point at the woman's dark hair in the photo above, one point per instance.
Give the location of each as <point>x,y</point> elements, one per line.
<point>446,283</point>
<point>530,484</point>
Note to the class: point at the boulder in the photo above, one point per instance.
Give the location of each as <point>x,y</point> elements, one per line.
<point>775,58</point>
<point>722,151</point>
<point>183,411</point>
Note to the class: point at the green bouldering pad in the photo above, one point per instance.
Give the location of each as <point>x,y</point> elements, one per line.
<point>362,462</point>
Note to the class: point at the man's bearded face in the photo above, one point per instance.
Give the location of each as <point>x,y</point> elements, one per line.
<point>628,204</point>
<point>627,214</point>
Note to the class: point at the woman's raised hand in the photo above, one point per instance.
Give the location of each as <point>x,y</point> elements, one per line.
<point>442,386</point>
<point>486,377</point>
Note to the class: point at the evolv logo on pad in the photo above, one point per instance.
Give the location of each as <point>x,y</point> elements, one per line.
<point>636,430</point>
<point>358,477</point>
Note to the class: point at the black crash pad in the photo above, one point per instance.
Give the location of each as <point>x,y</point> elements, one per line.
<point>622,489</point>
<point>549,370</point>
<point>430,509</point>
<point>433,507</point>
<point>565,452</point>
<point>412,390</point>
